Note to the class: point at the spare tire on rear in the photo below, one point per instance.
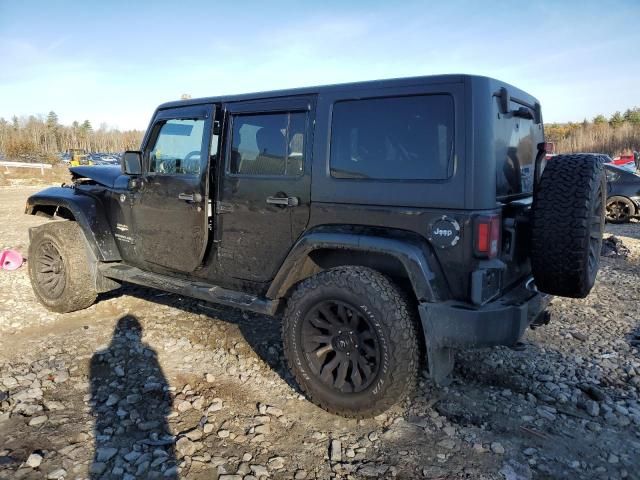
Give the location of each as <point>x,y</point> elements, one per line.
<point>567,224</point>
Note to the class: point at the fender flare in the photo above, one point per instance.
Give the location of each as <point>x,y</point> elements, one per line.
<point>87,211</point>
<point>407,249</point>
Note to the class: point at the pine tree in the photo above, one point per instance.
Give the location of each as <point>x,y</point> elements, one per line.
<point>599,119</point>
<point>52,120</point>
<point>86,126</point>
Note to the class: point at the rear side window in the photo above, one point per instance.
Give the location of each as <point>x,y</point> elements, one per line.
<point>393,138</point>
<point>516,151</point>
<point>268,144</point>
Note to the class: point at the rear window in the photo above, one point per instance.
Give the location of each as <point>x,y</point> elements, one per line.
<point>393,138</point>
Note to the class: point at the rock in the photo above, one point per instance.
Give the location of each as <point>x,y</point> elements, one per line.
<point>132,456</point>
<point>171,472</point>
<point>104,454</point>
<point>194,435</point>
<point>208,428</point>
<point>39,420</point>
<point>447,443</point>
<point>546,413</point>
<point>276,463</point>
<point>210,378</point>
<point>265,429</point>
<point>276,412</point>
<point>223,433</point>
<point>227,476</point>
<point>184,406</point>
<point>592,408</point>
<point>372,470</point>
<point>613,458</point>
<point>373,436</point>
<point>34,460</point>
<point>112,400</point>
<point>300,475</point>
<point>496,447</point>
<point>260,470</point>
<point>530,451</point>
<point>57,474</point>
<point>215,406</point>
<point>97,468</point>
<point>61,377</point>
<point>185,447</point>
<point>246,457</point>
<point>335,451</point>
<point>198,403</point>
<point>150,425</point>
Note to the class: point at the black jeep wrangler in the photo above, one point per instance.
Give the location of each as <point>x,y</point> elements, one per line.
<point>379,219</point>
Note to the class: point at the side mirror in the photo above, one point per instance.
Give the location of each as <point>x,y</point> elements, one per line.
<point>131,163</point>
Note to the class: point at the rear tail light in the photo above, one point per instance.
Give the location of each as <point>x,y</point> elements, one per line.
<point>487,236</point>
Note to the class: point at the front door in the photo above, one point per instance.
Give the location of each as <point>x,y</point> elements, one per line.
<point>170,214</point>
<point>265,189</point>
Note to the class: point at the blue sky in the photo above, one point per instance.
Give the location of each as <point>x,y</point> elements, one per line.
<point>115,61</point>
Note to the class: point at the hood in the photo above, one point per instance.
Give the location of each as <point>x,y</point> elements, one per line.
<point>103,174</point>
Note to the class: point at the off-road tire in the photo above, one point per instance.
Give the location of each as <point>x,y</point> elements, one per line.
<point>567,225</point>
<point>392,319</point>
<point>629,207</point>
<point>77,290</point>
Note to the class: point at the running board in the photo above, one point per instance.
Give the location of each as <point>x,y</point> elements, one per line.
<point>201,290</point>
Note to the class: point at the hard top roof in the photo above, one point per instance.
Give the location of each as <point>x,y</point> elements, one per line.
<point>394,82</point>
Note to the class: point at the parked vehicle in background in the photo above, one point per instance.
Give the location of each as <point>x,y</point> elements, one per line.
<point>79,157</point>
<point>623,194</point>
<point>625,161</point>
<point>378,219</point>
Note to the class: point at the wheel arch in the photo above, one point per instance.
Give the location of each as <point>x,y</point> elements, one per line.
<point>401,255</point>
<point>86,210</point>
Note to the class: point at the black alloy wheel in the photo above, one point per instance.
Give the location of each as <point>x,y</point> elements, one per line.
<point>341,346</point>
<point>50,271</point>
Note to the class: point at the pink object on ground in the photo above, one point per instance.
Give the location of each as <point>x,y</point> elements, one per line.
<point>10,260</point>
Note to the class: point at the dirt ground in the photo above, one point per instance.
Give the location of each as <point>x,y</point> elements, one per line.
<point>146,384</point>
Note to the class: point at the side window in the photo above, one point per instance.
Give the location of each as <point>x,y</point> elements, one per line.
<point>268,144</point>
<point>393,138</point>
<point>178,148</point>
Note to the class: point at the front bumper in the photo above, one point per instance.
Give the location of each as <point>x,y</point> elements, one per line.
<point>452,325</point>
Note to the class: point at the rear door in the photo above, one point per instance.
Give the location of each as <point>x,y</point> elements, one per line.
<point>170,214</point>
<point>265,190</point>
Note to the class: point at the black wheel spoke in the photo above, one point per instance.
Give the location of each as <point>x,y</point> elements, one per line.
<point>321,339</point>
<point>356,377</point>
<point>341,376</point>
<point>320,323</point>
<point>327,370</point>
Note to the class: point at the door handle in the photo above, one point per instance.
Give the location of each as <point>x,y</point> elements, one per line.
<point>284,201</point>
<point>190,197</point>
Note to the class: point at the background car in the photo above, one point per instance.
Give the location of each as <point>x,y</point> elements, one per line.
<point>623,194</point>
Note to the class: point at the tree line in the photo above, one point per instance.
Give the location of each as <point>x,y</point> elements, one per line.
<point>38,137</point>
<point>616,135</point>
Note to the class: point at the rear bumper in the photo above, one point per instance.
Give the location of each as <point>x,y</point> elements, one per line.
<point>453,325</point>
<point>501,322</point>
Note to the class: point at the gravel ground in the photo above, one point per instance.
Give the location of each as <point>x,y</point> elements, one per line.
<point>152,385</point>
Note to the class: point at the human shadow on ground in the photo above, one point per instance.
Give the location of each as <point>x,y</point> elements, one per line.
<point>130,401</point>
